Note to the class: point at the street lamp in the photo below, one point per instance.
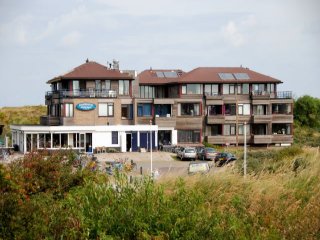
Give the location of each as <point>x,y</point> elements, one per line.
<point>245,149</point>
<point>151,147</point>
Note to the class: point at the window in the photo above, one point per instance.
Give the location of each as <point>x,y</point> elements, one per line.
<point>230,109</point>
<point>281,128</point>
<point>244,109</point>
<point>68,110</point>
<point>188,136</point>
<point>146,92</point>
<point>163,110</point>
<point>214,110</point>
<point>144,109</point>
<point>126,111</point>
<point>211,89</point>
<point>241,129</point>
<point>216,129</point>
<point>281,108</point>
<point>114,136</point>
<point>124,87</point>
<point>258,88</point>
<point>229,129</point>
<point>105,109</point>
<point>260,109</point>
<point>245,88</point>
<point>192,89</point>
<point>190,109</point>
<point>228,89</point>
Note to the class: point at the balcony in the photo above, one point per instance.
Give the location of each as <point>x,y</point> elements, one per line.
<point>215,119</point>
<point>282,138</point>
<point>282,118</point>
<point>256,95</point>
<point>262,118</point>
<point>81,94</point>
<point>220,139</point>
<point>189,122</point>
<point>213,96</point>
<point>167,121</point>
<point>262,139</point>
<point>49,121</point>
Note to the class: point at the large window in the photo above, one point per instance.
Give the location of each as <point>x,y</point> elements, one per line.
<point>214,110</point>
<point>281,108</point>
<point>228,89</point>
<point>105,109</point>
<point>188,136</point>
<point>144,109</point>
<point>230,109</point>
<point>259,109</point>
<point>190,109</point>
<point>241,129</point>
<point>126,111</point>
<point>216,129</point>
<point>146,92</point>
<point>68,109</point>
<point>114,137</point>
<point>124,87</point>
<point>229,129</point>
<point>163,110</point>
<point>192,89</point>
<point>281,128</point>
<point>211,89</point>
<point>244,109</point>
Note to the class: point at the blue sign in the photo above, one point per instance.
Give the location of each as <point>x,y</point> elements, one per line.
<point>86,106</point>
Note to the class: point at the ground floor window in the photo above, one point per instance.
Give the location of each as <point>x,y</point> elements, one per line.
<point>114,137</point>
<point>241,129</point>
<point>229,129</point>
<point>281,128</point>
<point>188,136</point>
<point>216,129</point>
<point>259,129</point>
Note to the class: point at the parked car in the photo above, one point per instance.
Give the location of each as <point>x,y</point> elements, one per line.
<point>198,150</point>
<point>198,167</point>
<point>224,158</point>
<point>207,154</point>
<point>187,153</point>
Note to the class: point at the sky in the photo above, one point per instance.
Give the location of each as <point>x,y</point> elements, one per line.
<point>41,39</point>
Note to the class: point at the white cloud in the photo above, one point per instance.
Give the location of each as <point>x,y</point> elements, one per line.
<point>71,39</point>
<point>237,34</point>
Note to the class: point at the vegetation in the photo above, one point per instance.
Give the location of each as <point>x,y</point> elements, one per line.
<point>20,115</point>
<point>44,196</point>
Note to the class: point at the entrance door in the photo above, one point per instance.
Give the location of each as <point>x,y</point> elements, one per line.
<point>88,142</point>
<point>128,142</point>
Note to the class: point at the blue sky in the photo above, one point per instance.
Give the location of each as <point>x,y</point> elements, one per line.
<point>41,39</point>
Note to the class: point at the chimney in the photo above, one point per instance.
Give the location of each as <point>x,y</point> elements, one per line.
<point>115,64</point>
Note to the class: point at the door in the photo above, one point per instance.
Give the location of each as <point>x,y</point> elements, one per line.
<point>128,142</point>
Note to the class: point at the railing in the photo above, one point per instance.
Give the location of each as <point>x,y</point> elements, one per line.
<point>280,95</point>
<point>83,93</point>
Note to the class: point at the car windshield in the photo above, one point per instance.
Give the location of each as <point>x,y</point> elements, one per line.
<point>190,150</point>
<point>210,150</point>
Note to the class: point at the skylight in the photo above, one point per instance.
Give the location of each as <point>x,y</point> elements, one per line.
<point>167,74</point>
<point>241,76</point>
<point>226,76</point>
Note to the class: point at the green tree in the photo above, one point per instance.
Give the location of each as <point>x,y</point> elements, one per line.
<point>307,111</point>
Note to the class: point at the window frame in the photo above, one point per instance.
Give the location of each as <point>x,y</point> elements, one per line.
<point>109,111</point>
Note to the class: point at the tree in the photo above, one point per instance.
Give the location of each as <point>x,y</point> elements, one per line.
<point>307,111</point>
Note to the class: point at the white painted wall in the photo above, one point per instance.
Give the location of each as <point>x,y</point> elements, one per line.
<point>174,137</point>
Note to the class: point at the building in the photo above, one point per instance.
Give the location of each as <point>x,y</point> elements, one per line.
<point>95,106</point>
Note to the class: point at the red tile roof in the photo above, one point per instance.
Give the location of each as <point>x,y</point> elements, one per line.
<point>207,75</point>
<point>92,70</point>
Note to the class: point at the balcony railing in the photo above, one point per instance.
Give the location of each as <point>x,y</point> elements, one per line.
<point>83,94</point>
<point>266,94</point>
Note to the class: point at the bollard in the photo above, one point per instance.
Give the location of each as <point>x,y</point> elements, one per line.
<point>131,179</point>
<point>141,170</point>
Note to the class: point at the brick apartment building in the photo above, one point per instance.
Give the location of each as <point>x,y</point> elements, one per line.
<point>99,107</point>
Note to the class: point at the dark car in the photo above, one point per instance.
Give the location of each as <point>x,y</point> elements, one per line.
<point>207,154</point>
<point>224,158</point>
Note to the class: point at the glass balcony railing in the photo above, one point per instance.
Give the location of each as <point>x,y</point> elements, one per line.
<point>83,94</point>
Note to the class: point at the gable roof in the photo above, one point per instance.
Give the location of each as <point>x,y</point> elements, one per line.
<point>93,70</point>
<point>208,75</point>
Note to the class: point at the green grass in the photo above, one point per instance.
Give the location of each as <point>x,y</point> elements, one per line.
<point>45,197</point>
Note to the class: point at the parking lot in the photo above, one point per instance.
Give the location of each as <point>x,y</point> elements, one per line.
<point>165,163</point>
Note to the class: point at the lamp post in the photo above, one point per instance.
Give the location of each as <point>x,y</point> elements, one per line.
<point>245,150</point>
<point>151,147</point>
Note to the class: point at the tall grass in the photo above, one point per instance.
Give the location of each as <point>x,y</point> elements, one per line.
<point>279,204</point>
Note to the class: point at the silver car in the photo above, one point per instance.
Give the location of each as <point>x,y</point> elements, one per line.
<point>187,153</point>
